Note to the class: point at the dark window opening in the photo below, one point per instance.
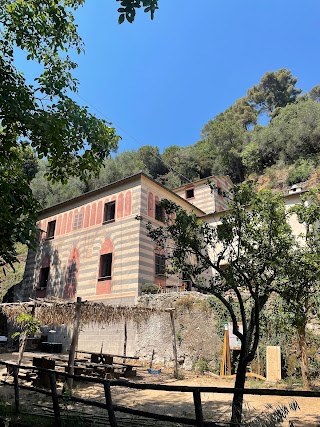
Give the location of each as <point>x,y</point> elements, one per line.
<point>159,212</point>
<point>219,191</point>
<point>186,281</point>
<point>44,277</point>
<point>77,223</point>
<point>51,229</point>
<point>109,211</point>
<point>160,265</point>
<point>105,266</point>
<point>190,193</point>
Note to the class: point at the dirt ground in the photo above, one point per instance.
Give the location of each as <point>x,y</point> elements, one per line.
<point>216,407</point>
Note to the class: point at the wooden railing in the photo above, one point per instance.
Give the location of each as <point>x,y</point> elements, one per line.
<point>111,408</point>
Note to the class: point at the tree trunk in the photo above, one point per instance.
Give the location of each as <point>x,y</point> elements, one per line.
<point>304,357</point>
<point>22,347</point>
<point>237,401</point>
<point>23,339</point>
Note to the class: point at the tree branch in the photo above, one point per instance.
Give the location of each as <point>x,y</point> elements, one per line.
<point>231,312</point>
<point>242,311</point>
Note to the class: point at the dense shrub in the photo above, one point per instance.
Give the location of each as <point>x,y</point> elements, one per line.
<point>300,172</point>
<point>149,288</point>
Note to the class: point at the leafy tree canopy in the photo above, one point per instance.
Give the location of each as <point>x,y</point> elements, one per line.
<point>244,257</point>
<point>314,93</point>
<point>300,288</point>
<point>240,262</point>
<point>232,143</point>
<point>17,204</point>
<point>128,9</point>
<point>224,141</point>
<point>151,159</point>
<point>243,112</point>
<point>41,114</point>
<point>183,165</point>
<point>293,134</point>
<point>275,90</point>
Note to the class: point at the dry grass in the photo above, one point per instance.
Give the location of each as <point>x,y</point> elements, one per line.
<point>59,313</point>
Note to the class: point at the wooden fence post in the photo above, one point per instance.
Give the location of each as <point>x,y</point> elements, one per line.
<point>174,341</point>
<point>74,341</point>
<point>198,408</point>
<point>125,341</point>
<point>225,368</point>
<point>258,362</point>
<point>16,388</point>
<point>107,392</point>
<point>55,398</point>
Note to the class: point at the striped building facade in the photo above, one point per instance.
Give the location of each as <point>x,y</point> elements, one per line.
<point>201,195</point>
<point>93,247</point>
<point>84,252</point>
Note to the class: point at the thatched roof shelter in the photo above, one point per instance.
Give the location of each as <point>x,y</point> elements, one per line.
<point>57,312</point>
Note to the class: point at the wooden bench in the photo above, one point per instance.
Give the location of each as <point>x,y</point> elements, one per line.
<point>126,369</point>
<point>99,360</point>
<point>107,355</point>
<point>127,365</point>
<point>42,379</point>
<point>102,369</point>
<point>123,369</point>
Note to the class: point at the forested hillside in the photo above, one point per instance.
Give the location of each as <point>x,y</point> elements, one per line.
<point>270,135</point>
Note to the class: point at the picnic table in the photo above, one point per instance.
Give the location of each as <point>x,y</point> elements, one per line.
<point>126,369</point>
<point>51,347</point>
<point>107,355</point>
<point>107,360</point>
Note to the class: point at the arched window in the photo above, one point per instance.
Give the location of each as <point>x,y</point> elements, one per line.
<point>70,287</point>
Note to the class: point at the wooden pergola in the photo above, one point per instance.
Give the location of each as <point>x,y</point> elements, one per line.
<point>55,312</point>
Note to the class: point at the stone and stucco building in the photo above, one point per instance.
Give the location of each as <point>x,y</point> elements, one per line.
<point>93,247</point>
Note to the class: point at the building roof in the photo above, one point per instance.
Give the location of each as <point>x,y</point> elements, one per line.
<point>286,196</point>
<point>202,181</point>
<point>115,184</point>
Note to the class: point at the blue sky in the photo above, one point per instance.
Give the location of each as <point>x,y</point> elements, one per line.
<point>160,81</point>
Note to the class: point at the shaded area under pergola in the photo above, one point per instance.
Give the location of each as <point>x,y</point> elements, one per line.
<point>73,313</point>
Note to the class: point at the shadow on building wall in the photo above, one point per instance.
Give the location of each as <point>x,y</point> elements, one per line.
<point>48,277</point>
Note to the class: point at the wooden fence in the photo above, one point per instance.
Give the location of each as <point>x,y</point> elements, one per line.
<point>111,408</point>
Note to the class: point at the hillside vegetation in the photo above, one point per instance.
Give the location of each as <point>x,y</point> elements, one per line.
<point>271,135</point>
<point>13,276</point>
